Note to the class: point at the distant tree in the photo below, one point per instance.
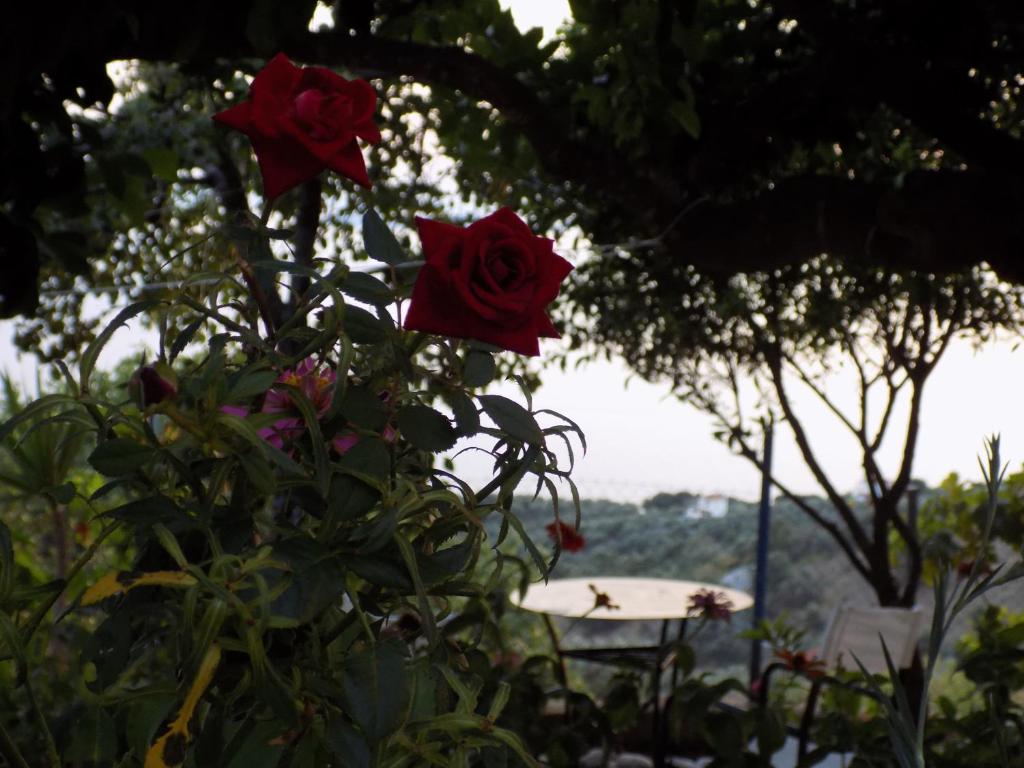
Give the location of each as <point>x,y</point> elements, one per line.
<point>669,501</point>
<point>753,340</point>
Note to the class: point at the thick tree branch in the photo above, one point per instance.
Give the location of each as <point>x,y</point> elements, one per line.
<point>807,452</point>
<point>733,426</point>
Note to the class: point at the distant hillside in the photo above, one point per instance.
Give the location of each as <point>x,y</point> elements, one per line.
<point>808,575</point>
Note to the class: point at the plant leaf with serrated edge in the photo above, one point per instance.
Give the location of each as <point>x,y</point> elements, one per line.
<point>512,418</point>
<point>367,289</point>
<point>467,418</point>
<point>364,327</point>
<point>425,428</point>
<point>183,337</point>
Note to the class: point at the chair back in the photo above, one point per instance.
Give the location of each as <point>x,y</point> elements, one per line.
<point>855,630</point>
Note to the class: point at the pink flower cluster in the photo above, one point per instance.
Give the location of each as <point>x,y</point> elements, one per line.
<point>317,385</point>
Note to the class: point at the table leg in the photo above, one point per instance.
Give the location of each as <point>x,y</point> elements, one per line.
<point>563,676</point>
<point>658,716</point>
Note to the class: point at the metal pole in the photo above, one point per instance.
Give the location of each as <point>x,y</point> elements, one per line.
<point>761,568</point>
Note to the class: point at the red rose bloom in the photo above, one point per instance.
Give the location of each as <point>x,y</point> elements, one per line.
<point>566,536</point>
<point>490,281</point>
<point>302,120</point>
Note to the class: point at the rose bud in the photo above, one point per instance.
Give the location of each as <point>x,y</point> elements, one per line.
<point>149,387</point>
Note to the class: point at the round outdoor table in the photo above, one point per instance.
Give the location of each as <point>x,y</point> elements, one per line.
<point>638,599</point>
<point>624,598</point>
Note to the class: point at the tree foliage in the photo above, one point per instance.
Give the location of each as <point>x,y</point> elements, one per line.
<point>721,136</point>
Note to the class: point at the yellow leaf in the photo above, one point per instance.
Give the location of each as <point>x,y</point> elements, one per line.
<point>116,582</point>
<point>169,750</point>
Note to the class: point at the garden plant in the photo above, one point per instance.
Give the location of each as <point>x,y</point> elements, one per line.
<point>271,565</point>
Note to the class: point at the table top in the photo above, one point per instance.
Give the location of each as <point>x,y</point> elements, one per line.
<point>638,599</point>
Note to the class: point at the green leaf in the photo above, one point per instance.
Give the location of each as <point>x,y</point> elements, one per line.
<point>143,717</point>
<point>257,751</point>
<point>467,418</point>
<point>771,732</point>
<point>347,744</point>
<point>363,407</point>
<point>426,429</point>
<point>479,368</point>
<point>30,411</point>
<point>367,289</point>
<point>6,562</point>
<point>120,456</point>
<point>368,459</point>
<point>249,384</point>
<point>364,327</point>
<point>317,580</point>
<point>686,116</point>
<point>183,337</point>
<point>381,244</point>
<point>145,512</point>
<point>10,642</point>
<point>321,461</point>
<point>92,354</point>
<point>380,572</point>
<point>686,659</point>
<point>512,418</point>
<point>426,611</point>
<point>349,499</point>
<point>93,739</point>
<point>163,163</point>
<point>376,690</point>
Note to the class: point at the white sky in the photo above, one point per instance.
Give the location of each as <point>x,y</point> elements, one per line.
<point>642,441</point>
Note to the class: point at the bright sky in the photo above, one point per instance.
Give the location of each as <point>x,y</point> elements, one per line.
<point>642,441</point>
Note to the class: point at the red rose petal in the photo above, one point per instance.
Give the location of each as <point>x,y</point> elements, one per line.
<point>302,120</point>
<point>349,162</point>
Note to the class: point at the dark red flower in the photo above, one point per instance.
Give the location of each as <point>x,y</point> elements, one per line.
<point>603,599</point>
<point>567,537</point>
<point>802,662</point>
<point>964,568</point>
<point>149,387</point>
<point>710,605</point>
<point>490,281</point>
<point>302,120</point>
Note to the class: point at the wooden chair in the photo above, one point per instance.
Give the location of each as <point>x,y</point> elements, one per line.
<point>854,631</point>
